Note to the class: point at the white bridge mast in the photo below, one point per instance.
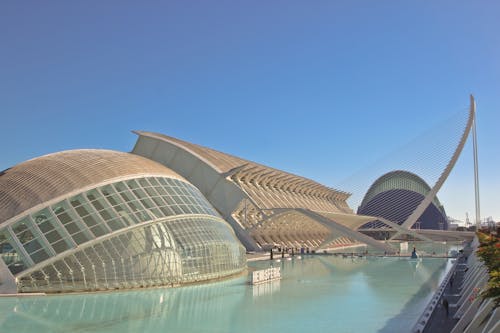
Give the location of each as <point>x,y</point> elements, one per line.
<point>476,172</point>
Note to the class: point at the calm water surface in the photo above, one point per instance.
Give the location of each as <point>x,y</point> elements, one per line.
<point>316,294</point>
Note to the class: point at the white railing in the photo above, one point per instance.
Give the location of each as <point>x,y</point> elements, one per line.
<point>429,309</point>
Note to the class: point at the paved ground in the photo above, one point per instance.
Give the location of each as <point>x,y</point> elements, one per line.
<point>440,321</point>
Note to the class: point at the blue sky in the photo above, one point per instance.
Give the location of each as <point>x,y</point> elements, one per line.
<point>316,88</point>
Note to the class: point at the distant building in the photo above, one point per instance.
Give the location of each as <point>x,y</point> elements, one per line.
<point>395,195</point>
<point>454,224</point>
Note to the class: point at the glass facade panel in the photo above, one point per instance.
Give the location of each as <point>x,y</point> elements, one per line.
<point>153,255</point>
<point>69,219</point>
<point>25,233</point>
<point>137,211</point>
<point>9,255</point>
<point>47,224</point>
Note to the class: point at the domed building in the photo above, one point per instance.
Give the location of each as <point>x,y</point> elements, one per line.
<point>86,220</point>
<point>395,195</point>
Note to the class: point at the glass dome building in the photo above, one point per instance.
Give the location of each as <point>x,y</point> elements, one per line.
<point>85,220</point>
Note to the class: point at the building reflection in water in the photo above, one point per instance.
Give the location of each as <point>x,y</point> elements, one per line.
<point>327,287</point>
<point>132,311</point>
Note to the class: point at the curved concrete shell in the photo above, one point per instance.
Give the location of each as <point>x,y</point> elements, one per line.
<point>395,195</point>
<point>97,219</point>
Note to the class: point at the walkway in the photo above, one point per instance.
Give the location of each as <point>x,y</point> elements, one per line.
<point>440,322</point>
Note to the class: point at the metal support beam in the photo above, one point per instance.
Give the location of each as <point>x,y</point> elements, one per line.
<point>339,228</point>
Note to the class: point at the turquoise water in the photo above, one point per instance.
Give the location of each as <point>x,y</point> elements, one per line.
<point>316,294</point>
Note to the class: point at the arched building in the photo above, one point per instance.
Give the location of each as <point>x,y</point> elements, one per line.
<point>98,219</point>
<point>265,206</point>
<point>395,195</point>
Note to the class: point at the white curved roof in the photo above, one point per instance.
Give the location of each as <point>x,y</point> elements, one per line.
<point>221,162</point>
<point>398,179</point>
<point>241,168</point>
<point>47,177</point>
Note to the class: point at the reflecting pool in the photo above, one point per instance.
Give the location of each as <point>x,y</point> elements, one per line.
<point>316,294</point>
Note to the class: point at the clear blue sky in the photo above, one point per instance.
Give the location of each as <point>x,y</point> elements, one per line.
<point>317,88</point>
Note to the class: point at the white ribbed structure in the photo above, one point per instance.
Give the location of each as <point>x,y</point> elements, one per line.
<point>47,177</point>
<point>399,179</point>
<point>265,206</point>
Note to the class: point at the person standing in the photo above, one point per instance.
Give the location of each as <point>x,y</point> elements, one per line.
<point>446,306</point>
